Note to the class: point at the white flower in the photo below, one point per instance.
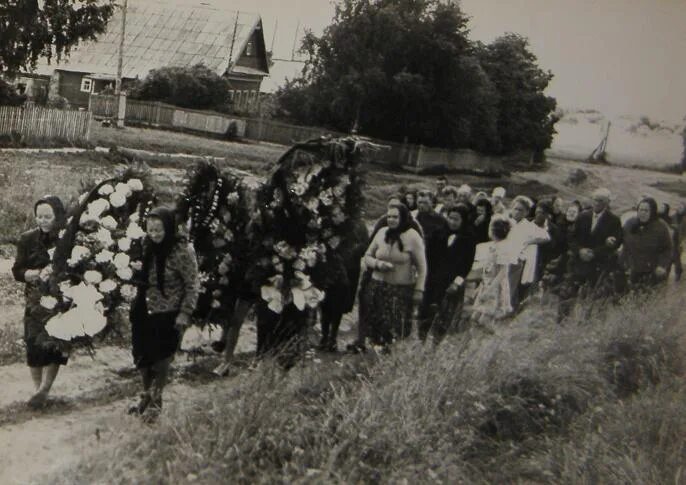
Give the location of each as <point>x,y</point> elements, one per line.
<point>104,256</point>
<point>135,185</point>
<point>104,237</point>
<point>83,294</point>
<point>64,328</point>
<point>79,252</point>
<point>94,321</point>
<point>136,265</point>
<point>107,286</point>
<point>98,207</point>
<point>117,199</point>
<point>48,302</point>
<point>339,191</point>
<point>312,204</point>
<point>128,292</point>
<point>109,223</point>
<point>309,255</point>
<point>232,198</point>
<point>326,196</point>
<point>299,265</point>
<point>87,218</point>
<point>223,268</point>
<point>125,273</point>
<point>106,189</point>
<point>123,189</point>
<point>215,304</point>
<point>61,233</point>
<point>124,244</point>
<point>92,277</point>
<point>64,287</point>
<point>45,273</point>
<point>121,260</point>
<point>334,242</point>
<point>299,189</point>
<point>134,231</point>
<point>273,297</point>
<point>459,281</point>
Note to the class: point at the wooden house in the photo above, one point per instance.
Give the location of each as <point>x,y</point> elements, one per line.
<point>161,34</point>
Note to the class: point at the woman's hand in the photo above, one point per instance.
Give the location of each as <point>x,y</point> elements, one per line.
<point>383,266</point>
<point>417,297</point>
<point>182,321</point>
<point>660,272</point>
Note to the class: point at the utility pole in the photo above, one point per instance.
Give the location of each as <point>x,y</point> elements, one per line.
<point>276,26</point>
<point>295,40</point>
<point>121,102</point>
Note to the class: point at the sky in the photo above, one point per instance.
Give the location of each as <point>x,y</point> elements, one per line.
<point>616,56</point>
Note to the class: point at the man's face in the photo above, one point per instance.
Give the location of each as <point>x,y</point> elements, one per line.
<point>463,197</point>
<point>600,203</point>
<point>540,216</point>
<point>424,203</point>
<point>440,184</point>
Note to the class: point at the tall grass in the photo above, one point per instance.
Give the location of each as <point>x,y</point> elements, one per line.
<point>594,400</point>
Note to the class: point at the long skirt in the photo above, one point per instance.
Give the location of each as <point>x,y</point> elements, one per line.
<point>154,338</point>
<point>389,311</point>
<point>449,314</point>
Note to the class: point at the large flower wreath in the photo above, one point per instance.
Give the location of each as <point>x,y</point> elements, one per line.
<point>95,257</point>
<point>214,206</point>
<point>295,257</point>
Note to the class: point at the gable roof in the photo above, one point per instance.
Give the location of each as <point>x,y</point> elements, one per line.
<point>160,34</point>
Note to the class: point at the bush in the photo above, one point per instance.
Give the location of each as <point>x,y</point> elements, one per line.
<point>195,87</point>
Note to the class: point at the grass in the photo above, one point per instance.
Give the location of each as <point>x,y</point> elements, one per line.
<point>533,402</point>
<point>677,187</point>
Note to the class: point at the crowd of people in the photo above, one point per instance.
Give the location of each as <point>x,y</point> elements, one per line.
<point>410,274</point>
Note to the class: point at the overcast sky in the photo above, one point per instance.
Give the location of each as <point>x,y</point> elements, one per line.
<point>618,56</point>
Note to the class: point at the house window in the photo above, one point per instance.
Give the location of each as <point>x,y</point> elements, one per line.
<point>86,85</point>
<point>250,48</point>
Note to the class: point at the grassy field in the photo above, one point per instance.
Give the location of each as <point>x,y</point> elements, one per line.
<point>598,399</point>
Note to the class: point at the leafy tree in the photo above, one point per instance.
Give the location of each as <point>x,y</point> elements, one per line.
<point>196,87</point>
<point>397,69</point>
<point>526,116</point>
<point>29,30</point>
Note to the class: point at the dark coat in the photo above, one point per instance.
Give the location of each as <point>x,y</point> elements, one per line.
<point>32,253</point>
<point>456,260</point>
<point>604,256</point>
<point>435,229</point>
<point>647,247</point>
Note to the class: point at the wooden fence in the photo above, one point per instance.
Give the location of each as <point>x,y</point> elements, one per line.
<point>161,115</point>
<point>401,155</point>
<point>35,123</point>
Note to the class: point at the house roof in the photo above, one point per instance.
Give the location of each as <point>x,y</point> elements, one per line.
<point>280,71</point>
<point>163,33</point>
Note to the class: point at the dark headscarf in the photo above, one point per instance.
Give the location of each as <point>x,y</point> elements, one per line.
<point>393,235</point>
<point>162,250</point>
<point>653,214</point>
<point>60,215</point>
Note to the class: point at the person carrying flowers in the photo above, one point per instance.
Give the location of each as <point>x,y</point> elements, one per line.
<point>32,267</point>
<point>167,294</point>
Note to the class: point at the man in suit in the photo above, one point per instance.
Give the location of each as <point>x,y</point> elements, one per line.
<point>598,235</point>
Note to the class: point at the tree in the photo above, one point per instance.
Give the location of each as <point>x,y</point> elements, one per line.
<point>30,31</point>
<point>196,87</point>
<point>526,119</point>
<point>9,96</point>
<point>396,69</point>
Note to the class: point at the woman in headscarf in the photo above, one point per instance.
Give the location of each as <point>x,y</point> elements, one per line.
<point>167,294</point>
<point>484,212</point>
<point>459,248</point>
<point>32,266</point>
<point>647,252</point>
<point>397,259</point>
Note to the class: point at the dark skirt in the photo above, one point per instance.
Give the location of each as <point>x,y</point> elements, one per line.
<point>154,338</point>
<point>41,349</point>
<point>388,311</point>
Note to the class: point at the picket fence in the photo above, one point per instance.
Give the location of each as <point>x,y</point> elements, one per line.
<point>34,123</point>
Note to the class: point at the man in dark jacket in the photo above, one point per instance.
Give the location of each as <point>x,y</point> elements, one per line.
<point>434,227</point>
<point>598,235</point>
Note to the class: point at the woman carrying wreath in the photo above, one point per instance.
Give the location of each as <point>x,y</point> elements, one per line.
<point>31,267</point>
<point>167,294</point>
<point>397,259</point>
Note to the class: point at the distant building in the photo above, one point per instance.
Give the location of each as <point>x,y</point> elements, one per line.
<point>160,34</point>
